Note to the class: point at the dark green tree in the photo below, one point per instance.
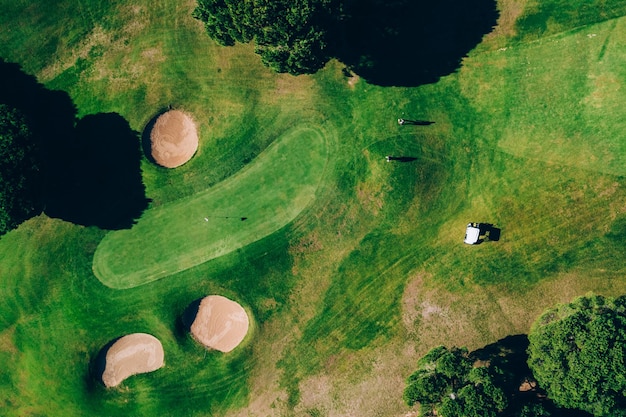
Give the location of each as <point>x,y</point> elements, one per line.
<point>291,36</point>
<point>577,353</point>
<point>439,373</point>
<point>479,397</point>
<point>19,170</point>
<point>447,382</point>
<point>534,410</point>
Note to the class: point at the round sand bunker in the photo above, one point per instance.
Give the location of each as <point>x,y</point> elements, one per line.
<point>133,354</point>
<point>173,139</point>
<point>220,323</point>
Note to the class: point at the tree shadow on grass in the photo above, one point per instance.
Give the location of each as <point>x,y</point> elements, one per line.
<point>511,356</point>
<point>91,169</point>
<point>50,114</point>
<point>508,354</point>
<point>410,43</point>
<point>401,158</point>
<point>95,179</point>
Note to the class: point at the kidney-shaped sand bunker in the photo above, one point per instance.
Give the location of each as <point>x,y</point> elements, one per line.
<point>132,354</point>
<point>219,323</point>
<point>173,139</point>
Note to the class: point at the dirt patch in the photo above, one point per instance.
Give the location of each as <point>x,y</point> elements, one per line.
<point>372,191</point>
<point>377,391</point>
<point>605,92</point>
<point>133,354</point>
<point>173,139</point>
<point>220,323</point>
<point>353,80</point>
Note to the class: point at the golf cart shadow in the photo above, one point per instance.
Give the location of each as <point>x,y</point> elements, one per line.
<point>477,233</point>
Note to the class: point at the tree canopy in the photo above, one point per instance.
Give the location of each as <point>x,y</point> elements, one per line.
<point>386,42</point>
<point>577,353</point>
<point>19,169</point>
<point>290,35</point>
<point>447,382</point>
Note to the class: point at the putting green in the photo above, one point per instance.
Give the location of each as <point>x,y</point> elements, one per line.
<point>269,193</point>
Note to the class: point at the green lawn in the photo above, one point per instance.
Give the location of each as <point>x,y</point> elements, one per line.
<point>260,199</point>
<point>352,267</point>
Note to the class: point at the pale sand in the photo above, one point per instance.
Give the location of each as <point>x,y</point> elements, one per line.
<point>173,139</point>
<point>220,323</point>
<point>135,353</point>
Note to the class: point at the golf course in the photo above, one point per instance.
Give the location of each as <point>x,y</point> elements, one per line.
<point>342,266</point>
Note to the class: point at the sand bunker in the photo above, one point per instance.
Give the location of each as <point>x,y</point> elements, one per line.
<point>173,139</point>
<point>136,353</point>
<point>220,323</point>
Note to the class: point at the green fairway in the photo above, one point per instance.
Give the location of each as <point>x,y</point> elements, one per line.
<point>262,198</point>
<point>352,267</point>
<point>561,107</point>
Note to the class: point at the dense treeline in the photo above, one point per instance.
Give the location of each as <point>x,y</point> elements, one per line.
<point>574,357</point>
<point>19,169</point>
<point>290,35</point>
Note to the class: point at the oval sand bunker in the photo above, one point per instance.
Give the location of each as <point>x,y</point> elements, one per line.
<point>173,139</point>
<point>220,323</point>
<point>133,354</point>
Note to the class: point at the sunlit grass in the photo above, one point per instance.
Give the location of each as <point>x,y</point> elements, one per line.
<point>530,138</point>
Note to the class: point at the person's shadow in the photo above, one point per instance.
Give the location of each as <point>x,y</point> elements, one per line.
<point>401,158</point>
<point>415,122</point>
<point>410,43</point>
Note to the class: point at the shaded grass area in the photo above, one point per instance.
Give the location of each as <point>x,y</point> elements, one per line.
<point>513,144</point>
<point>407,43</point>
<point>547,18</point>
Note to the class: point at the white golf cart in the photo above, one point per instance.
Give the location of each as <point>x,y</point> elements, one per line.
<point>472,234</point>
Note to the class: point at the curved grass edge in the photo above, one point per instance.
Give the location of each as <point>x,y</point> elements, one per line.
<point>173,237</point>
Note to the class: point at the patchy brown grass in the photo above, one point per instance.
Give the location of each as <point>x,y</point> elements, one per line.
<point>605,88</point>
<point>371,192</point>
<point>317,263</point>
<point>378,391</point>
<point>6,341</point>
<point>288,85</point>
<point>510,11</point>
<point>100,39</point>
<point>483,315</point>
<point>65,59</point>
<point>267,398</point>
<point>307,244</point>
